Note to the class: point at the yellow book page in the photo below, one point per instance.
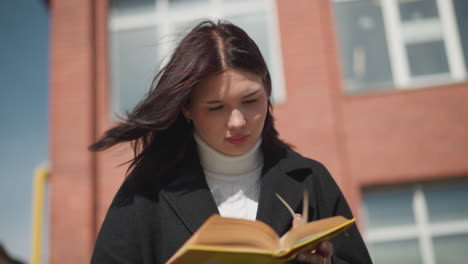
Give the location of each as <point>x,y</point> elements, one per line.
<point>243,233</point>
<point>218,245</point>
<point>295,242</point>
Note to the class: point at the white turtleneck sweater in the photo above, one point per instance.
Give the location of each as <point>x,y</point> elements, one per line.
<point>234,181</point>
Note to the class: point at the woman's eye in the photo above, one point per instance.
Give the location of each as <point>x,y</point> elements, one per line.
<point>250,101</point>
<point>215,108</point>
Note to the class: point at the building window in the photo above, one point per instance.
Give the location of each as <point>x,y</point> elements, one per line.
<point>401,44</point>
<point>142,34</point>
<point>424,223</point>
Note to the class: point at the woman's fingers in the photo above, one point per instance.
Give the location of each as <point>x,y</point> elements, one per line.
<point>311,258</point>
<point>321,255</point>
<point>297,220</point>
<point>325,249</point>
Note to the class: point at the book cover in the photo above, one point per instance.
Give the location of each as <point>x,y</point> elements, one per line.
<point>231,240</point>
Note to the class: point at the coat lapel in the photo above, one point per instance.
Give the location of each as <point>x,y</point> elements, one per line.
<point>276,178</point>
<point>189,195</point>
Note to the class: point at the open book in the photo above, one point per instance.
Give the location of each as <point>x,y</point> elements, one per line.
<point>231,240</point>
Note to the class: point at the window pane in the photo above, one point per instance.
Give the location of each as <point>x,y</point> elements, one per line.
<point>451,249</point>
<point>240,1</point>
<point>182,28</point>
<point>388,208</point>
<point>461,11</point>
<point>427,58</point>
<point>423,38</point>
<point>133,63</point>
<point>363,45</point>
<point>420,9</point>
<point>406,251</point>
<point>256,27</point>
<point>131,7</point>
<point>186,4</point>
<point>447,203</point>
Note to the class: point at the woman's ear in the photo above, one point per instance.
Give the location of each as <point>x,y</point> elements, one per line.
<point>186,112</point>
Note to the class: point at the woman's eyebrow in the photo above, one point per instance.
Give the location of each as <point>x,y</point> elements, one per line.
<point>251,94</point>
<point>213,102</point>
<point>245,96</point>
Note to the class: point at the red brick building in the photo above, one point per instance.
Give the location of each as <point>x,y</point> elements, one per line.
<point>382,137</point>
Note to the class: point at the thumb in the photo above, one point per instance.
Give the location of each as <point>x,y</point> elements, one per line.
<point>297,220</point>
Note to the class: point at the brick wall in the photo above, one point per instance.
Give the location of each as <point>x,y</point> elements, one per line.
<point>72,112</point>
<point>387,137</point>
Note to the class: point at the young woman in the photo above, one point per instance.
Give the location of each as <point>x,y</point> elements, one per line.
<point>204,143</point>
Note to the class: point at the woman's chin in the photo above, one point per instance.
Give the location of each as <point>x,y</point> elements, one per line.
<point>236,150</point>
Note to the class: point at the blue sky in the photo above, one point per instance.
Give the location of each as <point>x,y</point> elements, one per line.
<point>24,69</point>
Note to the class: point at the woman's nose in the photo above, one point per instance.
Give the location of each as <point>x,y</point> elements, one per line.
<point>236,120</point>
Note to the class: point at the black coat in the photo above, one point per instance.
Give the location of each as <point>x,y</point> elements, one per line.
<point>147,224</point>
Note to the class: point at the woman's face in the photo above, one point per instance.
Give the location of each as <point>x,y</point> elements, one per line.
<point>228,110</point>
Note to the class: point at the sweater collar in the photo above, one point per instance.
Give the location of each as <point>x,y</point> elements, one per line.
<point>219,163</point>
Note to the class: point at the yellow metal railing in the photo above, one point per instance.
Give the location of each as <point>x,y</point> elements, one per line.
<point>40,178</point>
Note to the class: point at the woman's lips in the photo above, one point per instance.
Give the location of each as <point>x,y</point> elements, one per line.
<point>236,140</point>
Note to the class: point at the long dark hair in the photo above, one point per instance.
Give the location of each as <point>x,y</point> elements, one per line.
<point>156,126</point>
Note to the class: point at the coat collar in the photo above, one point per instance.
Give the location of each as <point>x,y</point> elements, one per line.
<point>189,195</point>
<point>278,177</point>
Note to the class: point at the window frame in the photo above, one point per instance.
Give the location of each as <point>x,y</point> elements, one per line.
<point>422,230</point>
<point>399,61</point>
<point>165,20</point>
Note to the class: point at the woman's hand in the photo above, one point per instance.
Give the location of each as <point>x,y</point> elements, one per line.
<point>321,255</point>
